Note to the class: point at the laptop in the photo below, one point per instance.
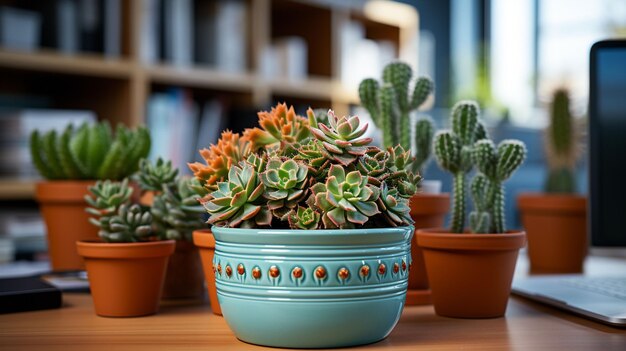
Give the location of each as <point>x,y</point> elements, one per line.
<point>601,298</point>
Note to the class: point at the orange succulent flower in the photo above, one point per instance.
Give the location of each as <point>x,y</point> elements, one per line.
<point>279,126</point>
<point>229,150</point>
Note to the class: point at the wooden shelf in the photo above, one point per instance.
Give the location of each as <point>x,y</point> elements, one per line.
<point>200,77</point>
<point>50,61</point>
<point>15,189</point>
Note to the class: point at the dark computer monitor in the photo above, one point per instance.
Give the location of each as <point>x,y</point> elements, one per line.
<point>607,143</point>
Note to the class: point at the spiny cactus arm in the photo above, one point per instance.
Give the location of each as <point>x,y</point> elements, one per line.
<point>423,87</point>
<point>447,151</point>
<point>388,113</point>
<point>481,132</point>
<point>36,147</point>
<point>464,121</point>
<point>458,203</point>
<point>561,125</point>
<point>480,222</point>
<point>485,157</point>
<point>511,154</point>
<point>480,218</point>
<point>399,75</point>
<point>72,170</point>
<point>51,152</point>
<point>499,223</point>
<point>368,93</point>
<point>424,130</point>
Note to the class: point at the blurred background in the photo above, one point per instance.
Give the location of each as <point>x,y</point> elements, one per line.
<point>190,68</point>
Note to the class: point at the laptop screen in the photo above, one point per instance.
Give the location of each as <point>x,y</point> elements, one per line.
<point>607,149</point>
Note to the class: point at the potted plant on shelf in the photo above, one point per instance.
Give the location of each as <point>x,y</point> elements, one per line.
<point>71,162</point>
<point>176,213</point>
<point>312,248</point>
<point>470,274</point>
<point>390,103</point>
<point>126,268</point>
<point>556,220</point>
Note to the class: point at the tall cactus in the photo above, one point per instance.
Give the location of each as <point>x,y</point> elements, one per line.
<point>453,151</point>
<point>391,102</point>
<point>495,165</point>
<point>423,140</point>
<point>561,145</point>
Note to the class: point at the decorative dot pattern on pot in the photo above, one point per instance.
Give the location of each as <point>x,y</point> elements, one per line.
<point>396,268</point>
<point>364,271</point>
<point>297,272</point>
<point>241,270</point>
<point>320,272</point>
<point>382,269</point>
<point>343,273</point>
<point>274,272</point>
<point>229,271</point>
<point>403,265</point>
<point>256,273</point>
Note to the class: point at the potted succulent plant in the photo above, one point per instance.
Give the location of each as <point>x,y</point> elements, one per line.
<point>390,104</point>
<point>312,248</point>
<point>126,268</point>
<point>470,274</point>
<point>556,220</point>
<point>72,161</point>
<point>176,212</point>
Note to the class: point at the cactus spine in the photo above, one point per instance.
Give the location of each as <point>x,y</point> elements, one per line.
<point>495,165</point>
<point>453,151</point>
<point>561,145</point>
<point>390,104</point>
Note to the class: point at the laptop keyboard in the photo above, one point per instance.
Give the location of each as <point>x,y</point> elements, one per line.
<point>615,287</point>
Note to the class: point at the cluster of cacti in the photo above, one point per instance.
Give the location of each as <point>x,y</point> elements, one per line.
<point>457,151</point>
<point>562,146</point>
<point>117,218</point>
<point>495,165</point>
<point>176,208</point>
<point>326,177</point>
<point>89,152</point>
<point>390,103</point>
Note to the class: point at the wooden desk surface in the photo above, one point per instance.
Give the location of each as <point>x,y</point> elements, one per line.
<point>527,326</point>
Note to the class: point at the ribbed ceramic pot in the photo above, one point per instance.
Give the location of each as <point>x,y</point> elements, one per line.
<point>312,288</point>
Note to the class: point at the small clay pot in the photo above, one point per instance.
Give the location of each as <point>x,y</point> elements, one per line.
<point>470,275</point>
<point>126,279</point>
<point>62,205</point>
<point>557,232</point>
<point>184,278</point>
<point>428,211</point>
<point>204,239</point>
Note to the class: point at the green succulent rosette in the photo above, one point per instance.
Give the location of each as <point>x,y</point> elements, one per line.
<point>304,218</point>
<point>342,138</point>
<point>284,185</point>
<point>394,207</point>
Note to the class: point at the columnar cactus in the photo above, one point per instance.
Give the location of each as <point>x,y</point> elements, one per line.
<point>453,151</point>
<point>391,103</point>
<point>562,146</point>
<point>495,166</point>
<point>89,152</point>
<point>423,141</point>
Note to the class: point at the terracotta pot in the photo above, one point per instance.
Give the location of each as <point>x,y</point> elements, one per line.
<point>184,278</point>
<point>428,211</point>
<point>470,275</point>
<point>126,279</point>
<point>146,198</point>
<point>204,239</point>
<point>62,205</point>
<point>557,231</point>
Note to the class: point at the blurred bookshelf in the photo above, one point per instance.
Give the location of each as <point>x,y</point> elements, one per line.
<point>118,84</point>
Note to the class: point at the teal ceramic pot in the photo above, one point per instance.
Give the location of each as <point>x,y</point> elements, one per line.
<point>312,288</point>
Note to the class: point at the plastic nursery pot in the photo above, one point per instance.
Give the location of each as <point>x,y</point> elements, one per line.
<point>470,275</point>
<point>428,211</point>
<point>557,231</point>
<point>312,288</point>
<point>204,240</point>
<point>184,277</point>
<point>62,205</point>
<point>126,279</point>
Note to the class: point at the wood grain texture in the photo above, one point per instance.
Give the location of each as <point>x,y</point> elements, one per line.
<point>191,326</point>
